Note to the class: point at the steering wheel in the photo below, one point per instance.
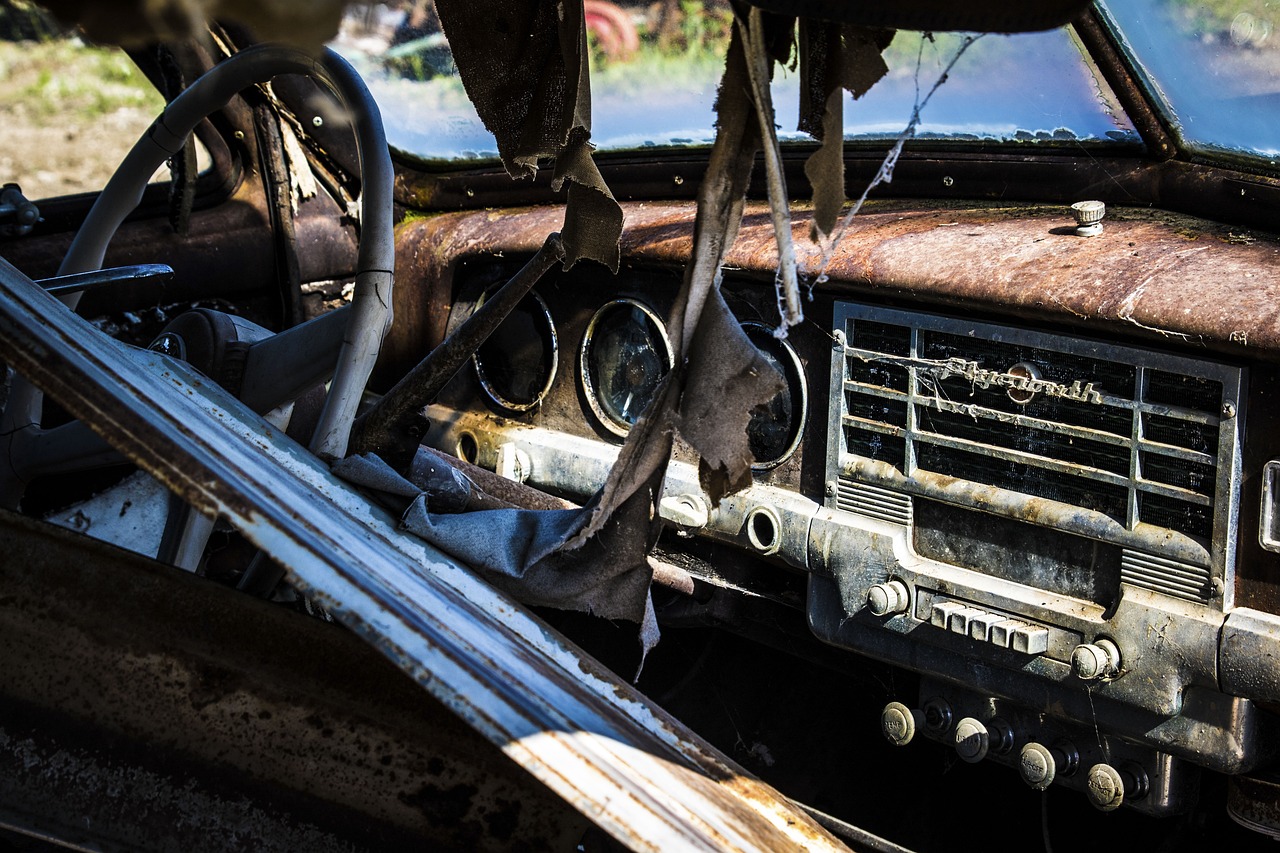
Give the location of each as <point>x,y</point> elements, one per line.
<point>356,331</point>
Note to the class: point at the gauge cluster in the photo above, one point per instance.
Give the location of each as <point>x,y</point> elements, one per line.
<point>586,353</point>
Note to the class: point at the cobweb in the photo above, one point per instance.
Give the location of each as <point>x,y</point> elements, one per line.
<point>885,173</point>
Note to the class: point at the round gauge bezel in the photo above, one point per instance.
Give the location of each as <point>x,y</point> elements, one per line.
<point>485,384</point>
<point>608,421</point>
<point>795,381</point>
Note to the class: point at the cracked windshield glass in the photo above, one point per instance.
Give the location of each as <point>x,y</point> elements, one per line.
<point>655,67</point>
<point>1215,65</point>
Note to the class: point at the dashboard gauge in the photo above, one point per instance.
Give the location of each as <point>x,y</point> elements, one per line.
<point>625,354</point>
<point>517,364</point>
<point>775,429</point>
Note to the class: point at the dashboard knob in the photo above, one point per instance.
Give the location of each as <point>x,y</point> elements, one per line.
<point>886,599</point>
<point>899,723</point>
<point>1038,765</point>
<point>972,740</point>
<point>1092,661</point>
<point>1108,786</point>
<point>937,714</point>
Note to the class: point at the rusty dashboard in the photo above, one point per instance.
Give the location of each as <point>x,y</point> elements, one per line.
<point>1026,465</point>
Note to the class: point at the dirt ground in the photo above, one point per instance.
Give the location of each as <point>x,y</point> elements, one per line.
<point>68,115</point>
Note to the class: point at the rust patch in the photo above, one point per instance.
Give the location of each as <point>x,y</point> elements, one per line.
<point>1143,276</point>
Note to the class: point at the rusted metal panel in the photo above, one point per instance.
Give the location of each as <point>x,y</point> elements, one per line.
<point>145,708</point>
<point>586,735</point>
<point>1151,275</point>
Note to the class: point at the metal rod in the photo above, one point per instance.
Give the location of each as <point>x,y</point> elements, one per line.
<point>79,282</point>
<point>392,427</point>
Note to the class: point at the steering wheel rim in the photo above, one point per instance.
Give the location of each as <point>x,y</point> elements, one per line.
<point>370,313</point>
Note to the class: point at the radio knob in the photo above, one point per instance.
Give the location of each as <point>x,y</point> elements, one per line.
<point>1092,661</point>
<point>899,723</point>
<point>886,599</point>
<point>972,740</point>
<point>1108,786</point>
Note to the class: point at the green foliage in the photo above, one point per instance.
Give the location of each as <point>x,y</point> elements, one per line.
<point>63,80</point>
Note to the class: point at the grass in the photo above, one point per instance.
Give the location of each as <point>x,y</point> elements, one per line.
<point>54,82</point>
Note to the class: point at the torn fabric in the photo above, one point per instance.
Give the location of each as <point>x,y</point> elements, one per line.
<point>710,409</point>
<point>833,57</point>
<point>524,66</point>
<point>522,552</point>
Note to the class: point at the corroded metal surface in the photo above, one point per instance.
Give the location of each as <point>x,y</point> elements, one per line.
<point>1151,276</point>
<point>589,737</point>
<point>205,720</point>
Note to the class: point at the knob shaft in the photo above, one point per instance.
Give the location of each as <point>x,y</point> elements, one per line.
<point>1096,660</point>
<point>972,740</point>
<point>888,598</point>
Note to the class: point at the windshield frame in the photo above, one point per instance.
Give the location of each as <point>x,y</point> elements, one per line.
<point>1161,126</point>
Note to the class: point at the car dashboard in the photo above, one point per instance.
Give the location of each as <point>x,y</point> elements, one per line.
<point>1027,465</point>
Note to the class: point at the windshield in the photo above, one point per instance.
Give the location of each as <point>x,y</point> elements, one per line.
<point>653,84</point>
<point>1215,65</point>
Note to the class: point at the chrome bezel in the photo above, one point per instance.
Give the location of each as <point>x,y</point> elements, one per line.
<point>612,424</point>
<point>497,398</point>
<point>799,384</point>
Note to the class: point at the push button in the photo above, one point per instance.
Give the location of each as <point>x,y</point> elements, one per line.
<point>996,628</point>
<point>941,612</point>
<point>1029,640</point>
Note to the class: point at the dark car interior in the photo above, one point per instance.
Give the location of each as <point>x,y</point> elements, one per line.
<point>1001,568</point>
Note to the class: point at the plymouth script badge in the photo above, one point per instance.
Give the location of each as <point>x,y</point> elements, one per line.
<point>1023,382</point>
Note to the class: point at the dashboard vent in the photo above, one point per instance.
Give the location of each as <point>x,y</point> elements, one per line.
<point>1181,580</point>
<point>1120,444</point>
<point>873,502</point>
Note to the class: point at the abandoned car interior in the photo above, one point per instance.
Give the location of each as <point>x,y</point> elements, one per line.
<point>764,425</point>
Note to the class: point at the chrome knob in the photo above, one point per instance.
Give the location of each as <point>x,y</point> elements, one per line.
<point>898,723</point>
<point>1088,216</point>
<point>972,740</point>
<point>1108,786</point>
<point>1037,765</point>
<point>1092,661</point>
<point>885,599</point>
